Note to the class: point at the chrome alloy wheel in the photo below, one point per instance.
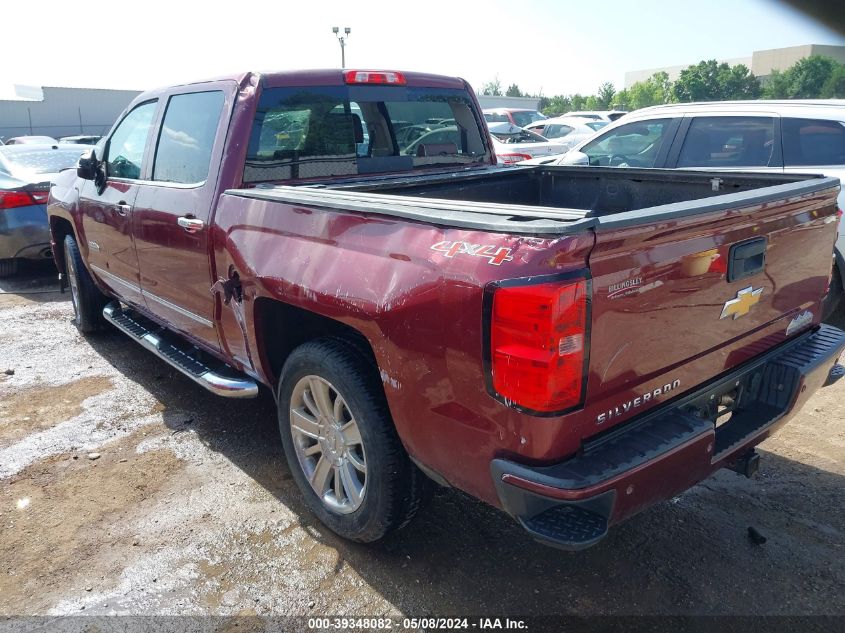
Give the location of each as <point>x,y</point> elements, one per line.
<point>74,284</point>
<point>328,444</point>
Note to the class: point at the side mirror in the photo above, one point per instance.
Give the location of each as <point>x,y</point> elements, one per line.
<point>86,168</point>
<point>574,157</point>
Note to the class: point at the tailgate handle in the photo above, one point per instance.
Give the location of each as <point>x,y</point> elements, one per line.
<point>747,258</point>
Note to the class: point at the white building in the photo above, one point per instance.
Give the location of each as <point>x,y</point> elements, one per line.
<point>55,111</point>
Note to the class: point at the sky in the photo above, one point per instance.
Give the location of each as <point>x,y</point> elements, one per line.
<point>544,46</point>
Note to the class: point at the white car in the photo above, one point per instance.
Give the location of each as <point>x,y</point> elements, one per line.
<point>514,144</point>
<point>599,115</point>
<point>566,130</point>
<point>799,136</point>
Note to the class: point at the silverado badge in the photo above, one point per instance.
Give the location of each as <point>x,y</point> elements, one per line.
<point>746,299</point>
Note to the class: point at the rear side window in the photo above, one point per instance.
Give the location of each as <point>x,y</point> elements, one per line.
<point>556,130</point>
<point>813,142</point>
<point>492,117</point>
<point>526,118</point>
<point>631,145</point>
<point>728,142</point>
<point>187,137</point>
<point>127,144</point>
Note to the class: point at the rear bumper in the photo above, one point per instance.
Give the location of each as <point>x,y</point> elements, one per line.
<point>24,232</point>
<point>666,451</point>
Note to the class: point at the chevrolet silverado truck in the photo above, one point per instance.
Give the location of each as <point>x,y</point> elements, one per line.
<point>570,345</point>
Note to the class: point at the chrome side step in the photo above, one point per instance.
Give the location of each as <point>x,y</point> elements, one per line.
<point>223,381</point>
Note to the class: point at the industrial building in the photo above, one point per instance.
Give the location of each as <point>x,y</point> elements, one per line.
<point>761,63</point>
<point>55,111</point>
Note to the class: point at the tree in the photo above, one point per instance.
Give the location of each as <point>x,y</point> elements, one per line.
<point>807,78</point>
<point>776,86</point>
<point>604,96</point>
<point>591,103</point>
<point>555,105</point>
<point>492,88</point>
<point>656,90</point>
<point>834,87</point>
<point>712,81</point>
<point>514,91</point>
<point>737,82</point>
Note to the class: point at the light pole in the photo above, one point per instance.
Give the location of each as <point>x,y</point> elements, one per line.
<point>342,40</point>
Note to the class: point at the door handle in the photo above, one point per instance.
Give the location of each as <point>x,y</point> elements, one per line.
<point>191,225</point>
<point>122,209</point>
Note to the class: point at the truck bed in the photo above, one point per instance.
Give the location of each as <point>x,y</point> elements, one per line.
<point>547,200</point>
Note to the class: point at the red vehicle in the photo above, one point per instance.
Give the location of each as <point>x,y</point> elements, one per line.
<point>568,344</point>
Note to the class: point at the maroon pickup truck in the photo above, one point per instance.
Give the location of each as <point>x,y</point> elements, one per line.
<point>569,344</point>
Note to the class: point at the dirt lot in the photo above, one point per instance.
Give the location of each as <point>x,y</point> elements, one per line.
<point>190,509</point>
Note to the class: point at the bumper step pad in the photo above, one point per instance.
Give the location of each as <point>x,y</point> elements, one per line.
<point>215,376</point>
<point>568,524</point>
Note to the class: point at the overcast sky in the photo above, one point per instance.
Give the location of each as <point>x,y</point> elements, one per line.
<point>557,46</point>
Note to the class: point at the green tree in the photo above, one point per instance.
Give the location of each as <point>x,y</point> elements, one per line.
<point>737,82</point>
<point>776,86</point>
<point>834,87</point>
<point>558,104</point>
<point>621,100</point>
<point>807,78</point>
<point>514,91</point>
<point>656,90</point>
<point>492,88</point>
<point>604,96</point>
<point>592,103</point>
<point>577,102</point>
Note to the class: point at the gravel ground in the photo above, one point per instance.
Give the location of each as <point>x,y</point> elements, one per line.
<point>127,489</point>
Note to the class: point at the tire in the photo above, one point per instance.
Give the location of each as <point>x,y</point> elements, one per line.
<point>88,301</point>
<point>833,302</point>
<point>8,267</point>
<point>392,488</point>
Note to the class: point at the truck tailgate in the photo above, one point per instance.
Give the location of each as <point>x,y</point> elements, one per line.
<point>678,301</point>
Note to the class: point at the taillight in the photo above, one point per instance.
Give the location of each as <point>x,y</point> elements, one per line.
<point>12,199</point>
<point>509,159</point>
<point>538,343</point>
<point>374,77</point>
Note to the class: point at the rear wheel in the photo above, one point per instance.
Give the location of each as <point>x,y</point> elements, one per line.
<point>88,301</point>
<point>8,267</point>
<point>341,445</point>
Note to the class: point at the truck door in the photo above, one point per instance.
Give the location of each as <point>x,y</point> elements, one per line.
<point>107,207</point>
<point>173,209</point>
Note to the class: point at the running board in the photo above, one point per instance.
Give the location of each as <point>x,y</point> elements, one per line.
<point>222,381</point>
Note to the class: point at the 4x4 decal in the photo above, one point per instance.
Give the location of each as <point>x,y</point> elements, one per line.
<point>496,254</point>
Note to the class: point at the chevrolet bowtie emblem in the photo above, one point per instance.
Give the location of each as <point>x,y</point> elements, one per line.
<point>745,300</point>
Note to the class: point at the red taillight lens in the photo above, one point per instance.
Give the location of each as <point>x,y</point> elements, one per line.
<point>12,199</point>
<point>538,338</point>
<point>509,159</point>
<point>374,77</point>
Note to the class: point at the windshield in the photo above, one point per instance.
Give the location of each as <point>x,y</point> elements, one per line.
<point>323,131</point>
<point>526,117</point>
<point>46,161</point>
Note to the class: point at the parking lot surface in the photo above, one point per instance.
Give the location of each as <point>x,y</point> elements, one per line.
<point>125,488</point>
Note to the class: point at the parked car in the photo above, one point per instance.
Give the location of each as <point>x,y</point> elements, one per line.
<point>80,139</point>
<point>515,116</point>
<point>567,130</point>
<point>514,144</point>
<point>544,339</point>
<point>599,115</point>
<point>800,136</point>
<point>25,175</point>
<point>31,140</point>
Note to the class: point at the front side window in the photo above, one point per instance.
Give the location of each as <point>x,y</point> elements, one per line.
<point>126,146</point>
<point>736,141</point>
<point>324,131</point>
<point>557,130</point>
<point>631,145</point>
<point>813,142</point>
<point>187,137</point>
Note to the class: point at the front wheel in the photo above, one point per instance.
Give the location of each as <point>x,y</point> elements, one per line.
<point>88,301</point>
<point>341,445</point>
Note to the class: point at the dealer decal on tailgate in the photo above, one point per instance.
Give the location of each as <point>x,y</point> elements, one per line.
<point>495,255</point>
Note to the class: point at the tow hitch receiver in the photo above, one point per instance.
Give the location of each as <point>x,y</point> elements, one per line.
<point>747,464</point>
